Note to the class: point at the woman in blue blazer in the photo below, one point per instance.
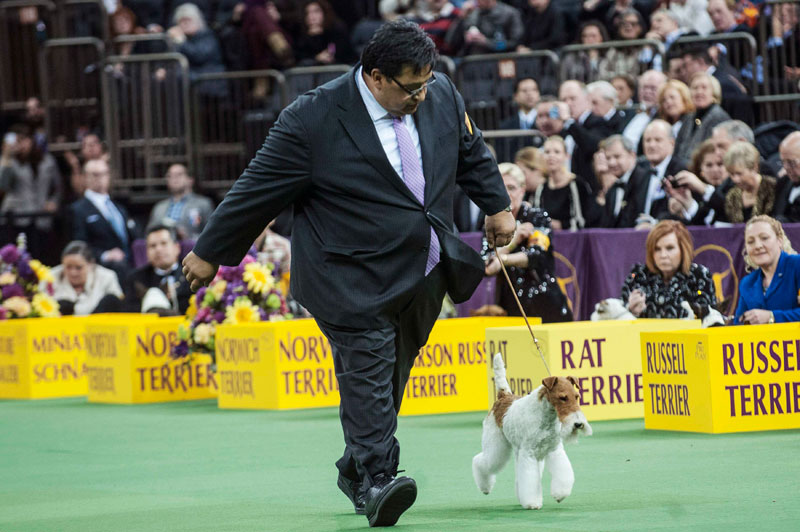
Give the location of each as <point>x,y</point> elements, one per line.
<point>769,294</point>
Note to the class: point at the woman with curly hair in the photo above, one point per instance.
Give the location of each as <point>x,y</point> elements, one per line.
<point>658,288</point>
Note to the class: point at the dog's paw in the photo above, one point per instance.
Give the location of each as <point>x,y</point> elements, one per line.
<point>533,506</point>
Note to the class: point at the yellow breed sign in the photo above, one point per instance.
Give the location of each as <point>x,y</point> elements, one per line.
<point>287,365</point>
<point>128,361</point>
<point>42,358</point>
<point>730,379</point>
<point>603,356</point>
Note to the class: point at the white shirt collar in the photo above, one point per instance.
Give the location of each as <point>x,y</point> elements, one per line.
<point>627,175</point>
<point>376,110</point>
<point>609,114</point>
<point>95,197</point>
<point>661,167</point>
<point>584,116</point>
<point>162,273</point>
<point>711,70</point>
<point>529,117</point>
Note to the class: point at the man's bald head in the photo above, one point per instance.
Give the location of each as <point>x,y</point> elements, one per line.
<point>659,142</point>
<point>790,155</point>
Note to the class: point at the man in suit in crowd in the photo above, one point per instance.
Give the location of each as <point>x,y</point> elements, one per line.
<point>103,223</point>
<point>648,195</point>
<point>621,159</point>
<point>649,84</point>
<point>526,97</point>
<point>583,131</point>
<point>735,99</point>
<point>370,162</point>
<point>603,100</point>
<point>787,195</point>
<point>160,283</point>
<point>184,210</point>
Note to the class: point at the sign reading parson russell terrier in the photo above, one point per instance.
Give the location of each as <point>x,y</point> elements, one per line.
<point>534,428</point>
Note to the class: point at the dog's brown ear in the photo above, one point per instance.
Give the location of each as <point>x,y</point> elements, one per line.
<point>574,381</point>
<point>549,382</point>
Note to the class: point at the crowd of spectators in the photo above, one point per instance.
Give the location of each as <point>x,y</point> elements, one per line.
<point>648,141</point>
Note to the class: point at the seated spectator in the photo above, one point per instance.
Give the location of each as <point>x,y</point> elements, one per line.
<point>123,22</point>
<point>324,39</point>
<point>526,98</point>
<point>35,119</point>
<point>723,16</point>
<point>436,17</point>
<point>582,132</point>
<point>607,10</point>
<point>487,26</point>
<point>585,65</point>
<point>531,161</point>
<point>626,90</point>
<point>193,39</point>
<point>82,287</point>
<point>151,14</point>
<point>768,294</point>
<point>668,278</point>
<point>628,25</point>
<point>674,104</point>
<point>648,197</point>
<point>698,125</point>
<point>787,201</point>
<point>103,223</point>
<point>753,194</point>
<point>692,15</point>
<point>184,210</point>
<point>781,58</point>
<point>620,157</point>
<point>29,181</point>
<point>91,148</point>
<point>268,44</point>
<point>693,197</point>
<point>528,259</point>
<point>604,100</point>
<point>650,84</point>
<point>569,200</point>
<point>733,95</point>
<point>665,27</point>
<point>605,178</point>
<point>545,27</point>
<point>159,285</point>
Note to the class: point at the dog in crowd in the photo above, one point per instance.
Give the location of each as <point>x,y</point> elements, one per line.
<point>488,310</point>
<point>534,428</point>
<point>611,309</point>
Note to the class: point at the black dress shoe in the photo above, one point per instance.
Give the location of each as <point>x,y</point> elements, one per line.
<point>353,490</point>
<point>388,498</point>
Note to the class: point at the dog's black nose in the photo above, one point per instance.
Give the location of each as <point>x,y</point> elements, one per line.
<point>578,425</point>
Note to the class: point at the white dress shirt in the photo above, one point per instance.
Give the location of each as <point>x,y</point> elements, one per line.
<point>654,189</point>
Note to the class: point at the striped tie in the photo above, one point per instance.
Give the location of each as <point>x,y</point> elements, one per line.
<point>415,181</point>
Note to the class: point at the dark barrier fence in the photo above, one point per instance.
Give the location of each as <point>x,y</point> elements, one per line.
<point>507,142</point>
<point>588,63</point>
<point>486,82</point>
<point>146,43</point>
<point>737,49</point>
<point>82,18</point>
<point>780,47</point>
<point>148,120</point>
<point>303,79</point>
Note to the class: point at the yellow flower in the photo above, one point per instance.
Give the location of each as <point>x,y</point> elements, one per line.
<point>45,306</point>
<point>191,310</point>
<point>258,278</point>
<point>242,311</point>
<point>7,278</point>
<point>218,288</point>
<point>17,305</point>
<point>202,333</point>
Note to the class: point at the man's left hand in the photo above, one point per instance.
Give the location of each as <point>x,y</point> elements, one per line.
<point>500,229</point>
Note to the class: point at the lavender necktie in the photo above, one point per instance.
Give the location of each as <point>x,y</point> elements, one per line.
<point>415,181</point>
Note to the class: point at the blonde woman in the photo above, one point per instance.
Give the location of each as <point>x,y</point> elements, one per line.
<point>531,162</point>
<point>698,125</point>
<point>753,194</point>
<point>568,200</point>
<point>770,293</point>
<point>674,104</point>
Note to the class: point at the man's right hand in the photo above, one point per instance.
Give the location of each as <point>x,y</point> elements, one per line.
<point>198,271</point>
<point>500,229</point>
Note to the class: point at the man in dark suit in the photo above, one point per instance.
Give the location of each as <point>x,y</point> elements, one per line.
<point>583,131</point>
<point>620,156</point>
<point>370,162</point>
<point>787,195</point>
<point>735,99</point>
<point>604,100</point>
<point>526,97</point>
<point>103,223</point>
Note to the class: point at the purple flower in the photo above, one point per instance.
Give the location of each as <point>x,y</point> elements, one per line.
<point>264,314</point>
<point>3,314</point>
<point>201,293</point>
<point>219,316</point>
<point>253,252</point>
<point>203,315</point>
<point>13,290</point>
<point>24,269</point>
<point>228,300</point>
<point>9,253</point>
<point>180,350</point>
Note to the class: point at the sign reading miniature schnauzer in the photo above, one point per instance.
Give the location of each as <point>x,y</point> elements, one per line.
<point>128,361</point>
<point>42,358</point>
<point>723,379</point>
<point>603,356</point>
<point>287,365</point>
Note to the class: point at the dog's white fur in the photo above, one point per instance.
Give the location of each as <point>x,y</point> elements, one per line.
<point>533,432</point>
<point>611,309</point>
<point>714,317</point>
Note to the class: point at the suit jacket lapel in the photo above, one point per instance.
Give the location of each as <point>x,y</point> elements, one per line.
<point>94,210</point>
<point>427,141</point>
<point>356,121</point>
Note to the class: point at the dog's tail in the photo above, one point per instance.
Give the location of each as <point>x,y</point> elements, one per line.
<point>500,381</point>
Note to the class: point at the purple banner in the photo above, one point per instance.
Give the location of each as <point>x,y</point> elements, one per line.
<point>592,264</point>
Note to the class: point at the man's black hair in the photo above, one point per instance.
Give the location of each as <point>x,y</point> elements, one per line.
<point>397,44</point>
<point>698,52</point>
<point>162,227</point>
<point>520,80</point>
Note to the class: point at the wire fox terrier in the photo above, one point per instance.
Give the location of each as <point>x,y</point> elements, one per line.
<point>535,427</point>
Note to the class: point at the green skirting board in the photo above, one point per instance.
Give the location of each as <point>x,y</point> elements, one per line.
<point>66,465</point>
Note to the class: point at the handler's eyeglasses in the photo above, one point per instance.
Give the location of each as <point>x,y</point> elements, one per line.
<point>415,92</point>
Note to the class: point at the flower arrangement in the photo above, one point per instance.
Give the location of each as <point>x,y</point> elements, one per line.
<point>20,280</point>
<point>238,294</point>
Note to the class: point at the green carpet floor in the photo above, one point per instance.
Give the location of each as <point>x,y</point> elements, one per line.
<point>66,465</point>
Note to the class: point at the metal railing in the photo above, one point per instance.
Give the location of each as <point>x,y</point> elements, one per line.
<point>82,18</point>
<point>300,80</point>
<point>486,82</point>
<point>778,107</point>
<point>146,43</point>
<point>507,142</point>
<point>779,68</point>
<point>631,57</point>
<point>737,49</point>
